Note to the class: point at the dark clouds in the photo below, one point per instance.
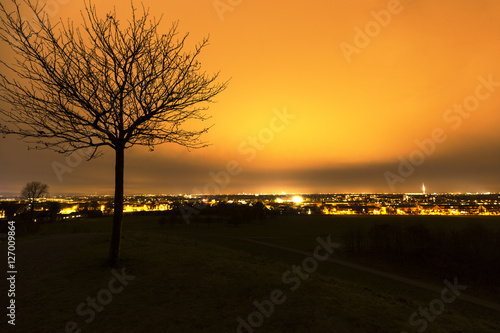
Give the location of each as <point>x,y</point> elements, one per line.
<point>473,168</point>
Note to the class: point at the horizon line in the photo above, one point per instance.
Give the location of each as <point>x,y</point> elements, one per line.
<point>12,195</point>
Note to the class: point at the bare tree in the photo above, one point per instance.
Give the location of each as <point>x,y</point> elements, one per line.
<point>106,83</point>
<point>33,191</point>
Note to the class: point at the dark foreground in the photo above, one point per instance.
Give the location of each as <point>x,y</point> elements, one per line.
<point>274,275</point>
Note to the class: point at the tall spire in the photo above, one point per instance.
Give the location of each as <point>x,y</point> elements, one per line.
<point>423,188</point>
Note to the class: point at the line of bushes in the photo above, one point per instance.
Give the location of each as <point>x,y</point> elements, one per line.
<point>472,253</point>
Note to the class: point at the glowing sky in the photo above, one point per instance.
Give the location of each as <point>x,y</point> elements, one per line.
<point>352,104</point>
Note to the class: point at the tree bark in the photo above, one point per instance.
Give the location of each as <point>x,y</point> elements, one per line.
<point>114,250</point>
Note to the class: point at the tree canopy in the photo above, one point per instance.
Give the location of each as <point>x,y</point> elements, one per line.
<point>105,83</point>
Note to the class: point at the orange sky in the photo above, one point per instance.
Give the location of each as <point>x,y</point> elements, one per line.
<point>354,116</point>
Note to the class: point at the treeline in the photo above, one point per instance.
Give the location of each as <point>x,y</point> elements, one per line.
<point>30,221</point>
<point>230,213</point>
<point>471,253</point>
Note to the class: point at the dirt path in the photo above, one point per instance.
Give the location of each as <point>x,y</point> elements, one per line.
<point>470,299</point>
<point>34,257</point>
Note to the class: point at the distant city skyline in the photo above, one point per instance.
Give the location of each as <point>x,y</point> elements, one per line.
<point>308,204</point>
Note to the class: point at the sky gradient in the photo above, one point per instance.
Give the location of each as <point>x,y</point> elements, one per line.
<point>324,96</point>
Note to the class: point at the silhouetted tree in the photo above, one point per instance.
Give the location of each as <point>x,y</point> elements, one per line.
<point>110,83</point>
<point>108,207</point>
<point>259,211</point>
<point>354,239</point>
<point>94,205</point>
<point>418,243</point>
<point>387,239</point>
<point>54,209</point>
<point>31,192</point>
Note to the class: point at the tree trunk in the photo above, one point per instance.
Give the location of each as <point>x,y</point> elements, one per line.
<point>114,250</point>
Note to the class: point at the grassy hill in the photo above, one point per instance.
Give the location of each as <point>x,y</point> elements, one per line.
<point>207,278</point>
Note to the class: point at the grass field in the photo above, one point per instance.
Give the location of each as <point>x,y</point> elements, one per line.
<point>203,278</point>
